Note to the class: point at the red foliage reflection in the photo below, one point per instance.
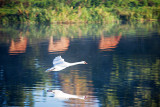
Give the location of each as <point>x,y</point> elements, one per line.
<point>108,43</point>
<point>60,45</point>
<point>18,46</point>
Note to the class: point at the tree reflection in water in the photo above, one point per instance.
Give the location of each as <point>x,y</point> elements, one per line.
<point>59,45</point>
<point>108,43</point>
<point>18,46</point>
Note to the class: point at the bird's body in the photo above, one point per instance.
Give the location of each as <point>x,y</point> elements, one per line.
<point>58,94</point>
<point>60,64</point>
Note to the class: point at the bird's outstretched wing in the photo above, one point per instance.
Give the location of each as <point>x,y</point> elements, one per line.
<point>58,61</point>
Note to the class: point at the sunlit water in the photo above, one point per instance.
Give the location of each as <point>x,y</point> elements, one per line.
<point>123,65</point>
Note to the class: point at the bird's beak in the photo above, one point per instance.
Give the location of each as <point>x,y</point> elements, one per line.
<point>85,63</point>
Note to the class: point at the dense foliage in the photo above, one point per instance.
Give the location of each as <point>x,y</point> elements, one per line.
<point>71,11</point>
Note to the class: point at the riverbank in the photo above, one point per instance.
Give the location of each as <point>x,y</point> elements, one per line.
<point>30,12</point>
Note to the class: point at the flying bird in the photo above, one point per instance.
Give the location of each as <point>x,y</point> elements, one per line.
<point>60,64</point>
<point>58,94</point>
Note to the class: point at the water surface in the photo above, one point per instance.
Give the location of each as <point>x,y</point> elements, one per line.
<point>123,65</point>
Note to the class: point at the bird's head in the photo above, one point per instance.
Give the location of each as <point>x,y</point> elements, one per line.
<point>84,62</point>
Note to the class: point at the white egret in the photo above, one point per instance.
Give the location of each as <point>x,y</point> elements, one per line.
<point>60,64</point>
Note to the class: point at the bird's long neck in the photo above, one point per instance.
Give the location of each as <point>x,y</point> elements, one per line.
<point>76,63</point>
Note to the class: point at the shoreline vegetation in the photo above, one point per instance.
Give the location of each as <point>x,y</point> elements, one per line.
<point>78,11</point>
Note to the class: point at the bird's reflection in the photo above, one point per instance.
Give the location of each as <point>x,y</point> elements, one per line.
<point>58,94</point>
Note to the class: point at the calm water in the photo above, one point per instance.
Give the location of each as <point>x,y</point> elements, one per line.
<point>123,65</point>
